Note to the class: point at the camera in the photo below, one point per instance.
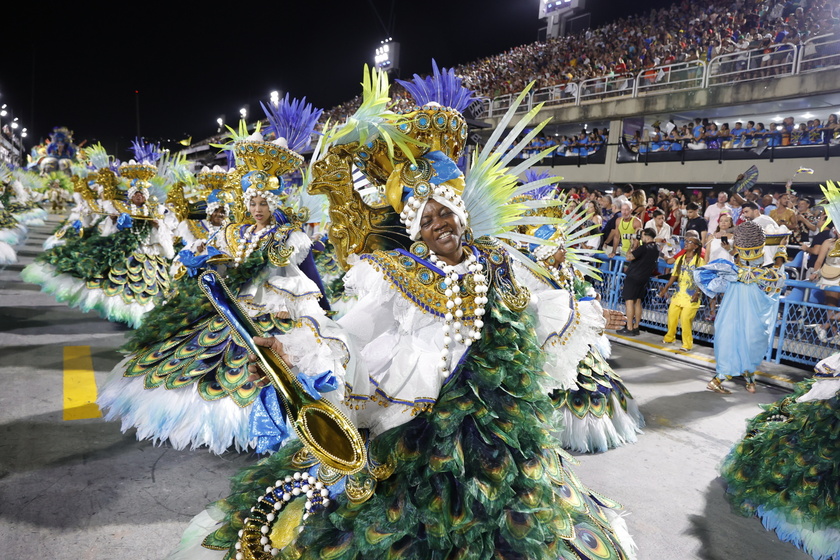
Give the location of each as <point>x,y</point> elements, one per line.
<point>639,235</point>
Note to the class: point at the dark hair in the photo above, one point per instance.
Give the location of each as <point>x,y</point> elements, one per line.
<point>692,206</point>
<point>809,200</point>
<point>650,232</point>
<point>751,205</point>
<point>658,212</point>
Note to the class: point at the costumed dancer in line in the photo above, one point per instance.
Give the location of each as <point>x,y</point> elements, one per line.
<point>86,211</point>
<point>22,197</point>
<point>12,232</point>
<point>185,380</point>
<point>786,470</point>
<point>197,235</point>
<point>748,312</point>
<point>448,389</point>
<point>599,413</point>
<point>122,271</point>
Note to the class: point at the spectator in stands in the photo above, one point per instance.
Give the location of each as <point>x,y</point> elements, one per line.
<point>663,237</point>
<point>737,134</point>
<point>688,234</point>
<point>619,197</point>
<point>784,214</point>
<point>806,220</point>
<point>643,262</point>
<point>714,211</point>
<point>686,301</point>
<point>675,215</point>
<point>826,274</point>
<point>696,222</point>
<point>750,211</point>
<point>624,237</point>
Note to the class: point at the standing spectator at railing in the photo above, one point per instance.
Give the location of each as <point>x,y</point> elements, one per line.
<point>831,129</point>
<point>799,135</point>
<point>686,301</point>
<point>774,135</point>
<point>608,236</point>
<point>714,211</point>
<point>695,221</point>
<point>737,134</point>
<point>675,215</point>
<point>624,237</point>
<point>749,135</point>
<point>806,220</point>
<point>698,133</point>
<point>664,237</point>
<point>643,262</point>
<point>827,274</point>
<point>815,132</point>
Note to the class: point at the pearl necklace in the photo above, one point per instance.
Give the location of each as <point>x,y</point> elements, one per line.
<point>452,327</point>
<point>250,241</point>
<point>139,210</point>
<point>561,277</point>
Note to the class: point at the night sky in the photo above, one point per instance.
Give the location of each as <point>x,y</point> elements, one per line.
<point>191,63</point>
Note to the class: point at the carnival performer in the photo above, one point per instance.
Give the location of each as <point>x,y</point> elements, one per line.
<point>785,470</point>
<point>448,388</point>
<point>746,316</point>
<point>598,411</point>
<point>195,235</point>
<point>208,399</point>
<point>22,197</point>
<point>122,270</point>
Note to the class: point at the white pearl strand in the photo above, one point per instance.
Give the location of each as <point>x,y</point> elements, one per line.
<point>249,243</point>
<point>139,210</point>
<point>283,492</point>
<point>561,278</point>
<point>454,315</point>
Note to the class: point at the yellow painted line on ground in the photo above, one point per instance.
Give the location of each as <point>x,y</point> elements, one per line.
<point>79,384</point>
<point>665,348</point>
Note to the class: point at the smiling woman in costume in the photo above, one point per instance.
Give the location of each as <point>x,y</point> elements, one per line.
<point>185,379</point>
<point>447,387</point>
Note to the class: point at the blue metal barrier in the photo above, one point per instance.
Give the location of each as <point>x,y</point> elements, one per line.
<point>797,336</point>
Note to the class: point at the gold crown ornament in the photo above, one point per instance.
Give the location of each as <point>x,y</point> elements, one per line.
<point>270,158</point>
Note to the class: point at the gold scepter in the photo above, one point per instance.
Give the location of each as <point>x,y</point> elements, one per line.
<point>322,428</point>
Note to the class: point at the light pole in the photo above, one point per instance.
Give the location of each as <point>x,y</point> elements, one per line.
<point>15,126</point>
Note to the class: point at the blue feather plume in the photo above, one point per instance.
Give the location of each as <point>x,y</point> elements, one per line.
<point>541,192</point>
<point>442,87</point>
<point>294,120</point>
<point>145,152</point>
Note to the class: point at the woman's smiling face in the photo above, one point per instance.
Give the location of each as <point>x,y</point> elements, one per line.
<point>441,230</point>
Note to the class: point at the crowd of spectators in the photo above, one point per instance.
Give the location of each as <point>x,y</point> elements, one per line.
<point>673,220</point>
<point>704,133</point>
<point>684,32</point>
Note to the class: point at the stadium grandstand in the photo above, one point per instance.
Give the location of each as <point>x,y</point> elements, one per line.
<point>626,98</point>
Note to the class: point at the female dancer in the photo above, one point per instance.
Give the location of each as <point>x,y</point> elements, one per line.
<point>448,391</point>
<point>185,379</point>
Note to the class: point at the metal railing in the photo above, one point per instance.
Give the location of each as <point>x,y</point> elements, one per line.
<point>806,330</point>
<point>753,64</point>
<point>816,54</point>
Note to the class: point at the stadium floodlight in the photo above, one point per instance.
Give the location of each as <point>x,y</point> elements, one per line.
<point>387,55</point>
<point>275,98</point>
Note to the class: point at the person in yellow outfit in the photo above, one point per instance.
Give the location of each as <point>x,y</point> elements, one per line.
<point>686,301</point>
